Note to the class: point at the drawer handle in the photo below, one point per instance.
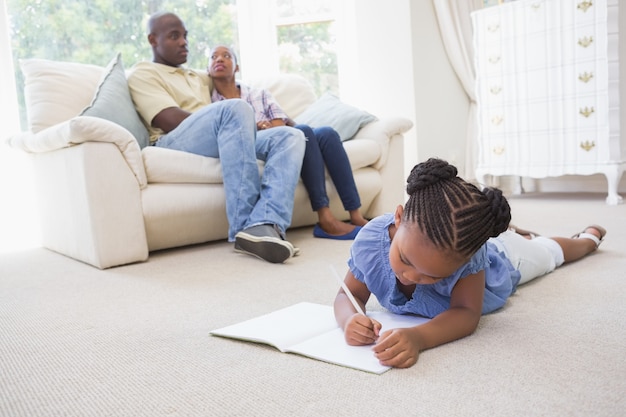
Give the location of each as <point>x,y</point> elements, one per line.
<point>586,111</point>
<point>493,28</point>
<point>495,89</point>
<point>584,5</point>
<point>587,146</point>
<point>585,76</point>
<point>586,41</point>
<point>496,120</point>
<point>494,59</point>
<point>498,150</point>
<point>535,6</point>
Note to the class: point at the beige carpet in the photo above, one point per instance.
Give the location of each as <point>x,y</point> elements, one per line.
<point>133,340</point>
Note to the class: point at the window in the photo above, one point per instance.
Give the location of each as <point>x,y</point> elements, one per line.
<point>306,41</point>
<point>93,32</point>
<point>300,34</point>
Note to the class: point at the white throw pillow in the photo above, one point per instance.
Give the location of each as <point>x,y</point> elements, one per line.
<point>292,92</point>
<point>57,91</point>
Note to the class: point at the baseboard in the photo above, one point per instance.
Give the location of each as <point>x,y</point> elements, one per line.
<point>567,183</point>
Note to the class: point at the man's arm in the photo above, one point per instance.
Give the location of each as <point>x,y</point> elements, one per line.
<point>155,99</point>
<point>169,119</point>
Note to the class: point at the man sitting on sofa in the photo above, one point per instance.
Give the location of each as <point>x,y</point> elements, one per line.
<point>175,104</point>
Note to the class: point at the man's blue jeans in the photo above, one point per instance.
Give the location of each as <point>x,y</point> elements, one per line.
<point>324,150</point>
<point>226,130</point>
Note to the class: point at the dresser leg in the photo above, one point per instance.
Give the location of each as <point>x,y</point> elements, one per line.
<point>518,188</point>
<point>613,175</point>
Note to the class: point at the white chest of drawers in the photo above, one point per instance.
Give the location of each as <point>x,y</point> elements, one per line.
<point>547,87</point>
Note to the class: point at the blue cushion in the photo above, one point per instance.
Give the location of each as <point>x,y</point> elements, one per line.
<point>330,111</point>
<point>113,102</point>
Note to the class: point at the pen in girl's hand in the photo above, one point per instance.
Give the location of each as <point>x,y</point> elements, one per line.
<point>345,288</point>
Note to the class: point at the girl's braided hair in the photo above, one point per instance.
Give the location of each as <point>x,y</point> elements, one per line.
<point>454,214</point>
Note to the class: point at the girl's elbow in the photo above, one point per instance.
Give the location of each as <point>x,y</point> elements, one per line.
<point>473,318</point>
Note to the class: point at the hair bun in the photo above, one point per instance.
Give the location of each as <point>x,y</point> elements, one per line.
<point>428,173</point>
<point>500,209</point>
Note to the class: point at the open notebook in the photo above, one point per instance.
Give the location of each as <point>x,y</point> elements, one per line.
<point>310,330</point>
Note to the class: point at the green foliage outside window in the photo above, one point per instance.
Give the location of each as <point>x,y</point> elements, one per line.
<point>93,32</point>
<point>308,49</point>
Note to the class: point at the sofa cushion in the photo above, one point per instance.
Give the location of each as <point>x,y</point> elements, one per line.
<point>330,111</point>
<point>164,165</point>
<point>56,91</point>
<point>112,102</point>
<point>293,93</point>
<point>170,166</point>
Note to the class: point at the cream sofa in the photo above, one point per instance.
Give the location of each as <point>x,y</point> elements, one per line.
<point>106,201</point>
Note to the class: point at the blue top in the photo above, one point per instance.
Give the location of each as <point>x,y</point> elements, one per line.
<point>369,262</point>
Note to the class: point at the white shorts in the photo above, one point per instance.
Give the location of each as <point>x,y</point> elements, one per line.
<point>532,257</point>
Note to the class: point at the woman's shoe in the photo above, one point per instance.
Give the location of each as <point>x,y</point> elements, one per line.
<point>585,235</point>
<point>319,232</point>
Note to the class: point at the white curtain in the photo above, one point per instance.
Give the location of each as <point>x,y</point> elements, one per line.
<point>8,95</point>
<point>455,25</point>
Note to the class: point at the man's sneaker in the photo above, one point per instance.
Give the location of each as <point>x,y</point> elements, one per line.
<point>264,242</point>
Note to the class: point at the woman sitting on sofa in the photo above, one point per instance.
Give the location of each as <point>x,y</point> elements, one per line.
<point>323,148</point>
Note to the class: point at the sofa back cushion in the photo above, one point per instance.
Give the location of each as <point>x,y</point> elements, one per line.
<point>293,92</point>
<point>56,91</point>
<point>112,101</point>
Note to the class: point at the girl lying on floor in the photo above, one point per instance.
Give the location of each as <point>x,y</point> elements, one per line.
<point>449,254</point>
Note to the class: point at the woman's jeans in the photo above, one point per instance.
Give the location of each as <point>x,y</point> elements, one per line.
<point>324,150</point>
<point>226,130</point>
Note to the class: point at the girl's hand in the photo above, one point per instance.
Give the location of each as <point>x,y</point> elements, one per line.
<point>361,330</point>
<point>399,348</point>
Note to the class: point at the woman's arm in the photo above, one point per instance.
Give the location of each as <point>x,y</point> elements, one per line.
<point>265,124</point>
<point>358,329</point>
<point>401,347</point>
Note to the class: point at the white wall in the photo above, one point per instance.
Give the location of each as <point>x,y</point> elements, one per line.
<point>391,63</point>
<point>441,103</point>
<point>394,63</point>
<point>376,70</point>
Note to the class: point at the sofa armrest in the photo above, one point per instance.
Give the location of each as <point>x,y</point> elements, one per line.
<point>389,134</point>
<point>382,131</point>
<point>83,129</point>
<point>90,204</point>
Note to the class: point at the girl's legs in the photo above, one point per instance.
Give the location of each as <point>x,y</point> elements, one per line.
<point>541,255</point>
<point>580,246</point>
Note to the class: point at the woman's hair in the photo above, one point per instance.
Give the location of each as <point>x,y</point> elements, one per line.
<point>230,49</point>
<point>454,214</point>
